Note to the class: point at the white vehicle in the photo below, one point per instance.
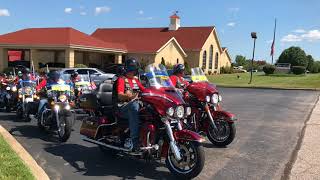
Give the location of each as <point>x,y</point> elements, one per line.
<point>96,75</point>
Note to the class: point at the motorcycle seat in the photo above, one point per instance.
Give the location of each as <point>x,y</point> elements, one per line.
<point>104,94</point>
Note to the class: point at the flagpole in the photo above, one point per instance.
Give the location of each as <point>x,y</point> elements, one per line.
<point>274,37</point>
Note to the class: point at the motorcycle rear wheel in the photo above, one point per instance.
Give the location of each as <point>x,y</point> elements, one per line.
<point>225,136</point>
<point>193,158</point>
<point>65,132</point>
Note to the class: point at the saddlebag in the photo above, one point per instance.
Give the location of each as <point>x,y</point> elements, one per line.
<point>89,127</point>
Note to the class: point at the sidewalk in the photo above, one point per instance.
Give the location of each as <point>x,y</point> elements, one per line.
<point>307,164</point>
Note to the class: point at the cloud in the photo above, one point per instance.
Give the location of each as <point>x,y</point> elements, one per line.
<point>141,12</point>
<point>68,10</point>
<point>312,35</point>
<point>299,31</point>
<point>83,13</point>
<point>145,18</point>
<point>4,12</point>
<point>291,38</point>
<point>102,9</point>
<point>231,24</point>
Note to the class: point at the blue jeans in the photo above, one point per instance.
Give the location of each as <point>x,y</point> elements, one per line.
<point>131,112</point>
<point>41,104</point>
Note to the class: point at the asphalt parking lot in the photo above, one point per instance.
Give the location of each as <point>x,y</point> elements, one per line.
<point>269,126</point>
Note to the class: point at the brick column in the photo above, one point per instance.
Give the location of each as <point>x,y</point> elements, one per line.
<point>69,58</point>
<point>3,59</point>
<point>118,58</point>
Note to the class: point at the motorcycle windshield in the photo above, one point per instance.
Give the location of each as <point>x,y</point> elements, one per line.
<point>197,75</point>
<point>27,83</point>
<point>158,76</point>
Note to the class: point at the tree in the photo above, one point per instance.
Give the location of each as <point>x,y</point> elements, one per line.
<point>163,62</point>
<point>187,68</point>
<point>240,60</point>
<point>310,63</point>
<point>295,56</point>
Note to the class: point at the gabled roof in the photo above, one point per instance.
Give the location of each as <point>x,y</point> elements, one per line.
<point>225,50</point>
<point>57,37</point>
<point>176,42</point>
<point>149,40</point>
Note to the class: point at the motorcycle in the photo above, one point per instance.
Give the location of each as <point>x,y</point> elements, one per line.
<point>9,96</point>
<point>207,117</point>
<point>26,99</point>
<point>57,114</point>
<point>161,133</point>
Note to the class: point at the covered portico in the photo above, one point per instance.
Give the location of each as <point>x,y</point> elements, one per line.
<point>75,48</point>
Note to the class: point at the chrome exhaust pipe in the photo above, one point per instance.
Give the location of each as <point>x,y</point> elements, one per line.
<point>104,144</point>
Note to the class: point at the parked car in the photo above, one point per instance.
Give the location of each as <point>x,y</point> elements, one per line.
<point>96,75</point>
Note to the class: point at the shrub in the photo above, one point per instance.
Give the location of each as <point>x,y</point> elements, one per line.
<point>269,69</point>
<point>209,72</point>
<point>298,70</point>
<point>80,66</point>
<point>226,70</point>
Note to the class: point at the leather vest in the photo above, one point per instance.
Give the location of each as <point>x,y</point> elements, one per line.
<point>127,87</point>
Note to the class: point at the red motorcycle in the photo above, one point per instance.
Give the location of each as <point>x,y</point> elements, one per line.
<point>161,134</point>
<point>207,115</point>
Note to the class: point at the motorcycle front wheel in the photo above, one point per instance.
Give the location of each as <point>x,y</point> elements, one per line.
<point>64,131</point>
<point>225,134</point>
<point>192,162</point>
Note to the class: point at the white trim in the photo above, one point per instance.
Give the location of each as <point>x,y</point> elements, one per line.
<point>172,39</point>
<point>216,36</point>
<point>74,46</point>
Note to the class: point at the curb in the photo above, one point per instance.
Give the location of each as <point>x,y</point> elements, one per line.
<point>36,170</point>
<point>271,88</point>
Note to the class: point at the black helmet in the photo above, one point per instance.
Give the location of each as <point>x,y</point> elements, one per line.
<point>54,75</point>
<point>25,70</point>
<point>131,65</point>
<point>74,74</point>
<point>178,68</point>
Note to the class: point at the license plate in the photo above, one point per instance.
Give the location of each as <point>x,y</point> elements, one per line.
<point>29,99</point>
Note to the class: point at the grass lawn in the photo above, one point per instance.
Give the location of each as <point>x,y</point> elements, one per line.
<point>309,81</point>
<point>11,166</point>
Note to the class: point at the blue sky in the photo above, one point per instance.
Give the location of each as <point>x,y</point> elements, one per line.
<point>298,20</point>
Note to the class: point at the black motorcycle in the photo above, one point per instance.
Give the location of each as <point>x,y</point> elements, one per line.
<point>27,99</point>
<point>8,96</point>
<point>57,114</point>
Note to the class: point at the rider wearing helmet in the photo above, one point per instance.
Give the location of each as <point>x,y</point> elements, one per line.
<point>177,76</point>
<point>127,89</point>
<point>53,78</point>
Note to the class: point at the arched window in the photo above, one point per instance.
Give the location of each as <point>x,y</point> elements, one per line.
<point>204,60</point>
<point>211,57</point>
<point>216,61</point>
<point>177,60</point>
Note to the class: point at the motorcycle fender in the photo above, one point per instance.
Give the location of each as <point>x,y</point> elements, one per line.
<point>224,115</point>
<point>187,135</point>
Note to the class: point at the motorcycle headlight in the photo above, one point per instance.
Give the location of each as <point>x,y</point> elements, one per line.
<point>215,99</point>
<point>208,99</point>
<point>14,88</point>
<point>170,111</point>
<point>179,112</point>
<point>188,111</point>
<point>220,98</point>
<point>67,107</point>
<point>8,88</point>
<point>62,98</point>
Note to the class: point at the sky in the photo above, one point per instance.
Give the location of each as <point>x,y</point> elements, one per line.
<point>298,21</point>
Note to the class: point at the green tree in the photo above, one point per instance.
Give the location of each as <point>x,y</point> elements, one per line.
<point>240,60</point>
<point>163,62</point>
<point>187,67</point>
<point>295,56</point>
<point>310,63</point>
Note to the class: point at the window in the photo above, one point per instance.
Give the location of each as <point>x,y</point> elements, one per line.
<point>211,57</point>
<point>216,61</point>
<point>85,71</point>
<point>177,60</point>
<point>204,60</point>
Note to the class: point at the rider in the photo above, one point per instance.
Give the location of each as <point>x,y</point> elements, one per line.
<point>127,90</point>
<point>177,76</point>
<point>53,78</point>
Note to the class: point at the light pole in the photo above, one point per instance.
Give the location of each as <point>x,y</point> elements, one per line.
<point>254,37</point>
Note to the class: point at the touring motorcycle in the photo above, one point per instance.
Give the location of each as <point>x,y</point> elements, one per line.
<point>161,134</point>
<point>57,114</point>
<point>26,99</point>
<point>9,95</point>
<point>207,117</point>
